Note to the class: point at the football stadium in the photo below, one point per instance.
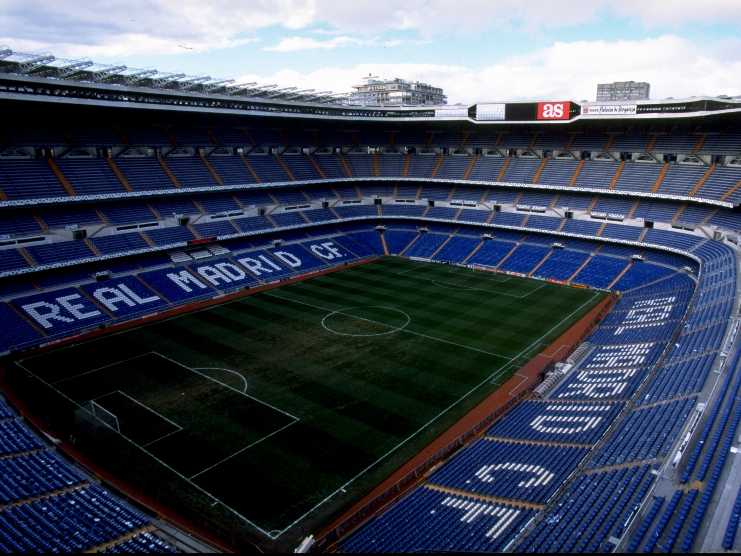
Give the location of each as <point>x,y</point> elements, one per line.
<point>243,318</point>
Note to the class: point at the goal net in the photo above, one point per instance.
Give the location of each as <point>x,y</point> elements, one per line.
<point>104,416</point>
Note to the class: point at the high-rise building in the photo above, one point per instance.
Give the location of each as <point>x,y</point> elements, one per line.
<point>396,92</point>
<point>623,90</point>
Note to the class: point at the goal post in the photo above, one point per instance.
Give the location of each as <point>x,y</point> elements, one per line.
<point>105,416</point>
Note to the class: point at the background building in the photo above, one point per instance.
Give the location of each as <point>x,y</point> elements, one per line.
<point>396,92</point>
<point>623,90</point>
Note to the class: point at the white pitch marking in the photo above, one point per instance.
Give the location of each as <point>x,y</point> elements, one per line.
<point>392,330</point>
<point>240,375</point>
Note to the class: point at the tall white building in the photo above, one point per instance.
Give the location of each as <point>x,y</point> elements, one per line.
<point>396,92</point>
<point>623,90</point>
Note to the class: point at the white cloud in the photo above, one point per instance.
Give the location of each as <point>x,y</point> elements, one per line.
<point>296,44</point>
<point>111,28</point>
<point>566,70</point>
<point>431,17</point>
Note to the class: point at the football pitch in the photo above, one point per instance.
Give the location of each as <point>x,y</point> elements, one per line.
<point>299,399</point>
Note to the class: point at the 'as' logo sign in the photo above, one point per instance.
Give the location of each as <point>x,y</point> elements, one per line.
<point>554,110</point>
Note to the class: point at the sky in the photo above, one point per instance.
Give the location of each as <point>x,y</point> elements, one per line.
<point>476,50</point>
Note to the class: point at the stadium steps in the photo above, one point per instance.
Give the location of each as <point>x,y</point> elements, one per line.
<point>316,166</point>
<point>419,193</point>
<point>503,169</point>
<point>306,218</point>
<point>577,171</point>
<point>562,224</point>
<point>345,165</point>
<point>250,169</point>
<point>239,203</point>
<point>212,137</point>
<point>673,399</point>
<point>46,495</point>
<point>709,216</point>
<point>458,214</point>
<point>543,260</point>
<point>334,212</point>
<point>679,213</point>
<point>472,253</point>
<point>61,177</point>
<point>384,244</point>
<point>610,143</point>
<point>375,165</point>
<point>643,234</point>
<point>274,199</point>
<point>633,209</point>
<point>554,202</point>
<point>43,225</point>
<point>407,163</point>
<point>551,443</point>
<point>616,178</point>
<point>662,174</point>
<point>111,545</point>
<point>581,267</point>
<point>484,498</point>
<point>451,195</point>
<point>491,217</point>
<point>508,255</point>
<point>199,206</point>
<point>91,246</point>
<point>211,170</point>
<point>282,164</point>
<point>442,245</point>
<point>651,143</point>
<point>471,164</point>
<point>424,214</point>
<point>148,240</point>
<point>731,191</point>
<point>621,274</point>
<point>25,453</point>
<point>103,217</point>
<point>26,255</point>
<point>592,204</point>
<point>119,174</point>
<point>195,232</point>
<point>271,220</point>
<point>524,221</point>
<point>624,465</point>
<point>409,245</point>
<point>700,143</point>
<point>169,173</point>
<point>500,139</point>
<point>437,166</point>
<point>601,229</point>
<point>696,188</point>
<point>464,140</point>
<point>539,171</point>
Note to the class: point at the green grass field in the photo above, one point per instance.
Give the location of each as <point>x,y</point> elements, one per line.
<point>296,401</point>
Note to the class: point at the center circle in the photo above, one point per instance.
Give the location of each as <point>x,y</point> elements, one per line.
<point>352,314</point>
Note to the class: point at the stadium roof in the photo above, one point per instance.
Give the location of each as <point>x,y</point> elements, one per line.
<point>46,78</point>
